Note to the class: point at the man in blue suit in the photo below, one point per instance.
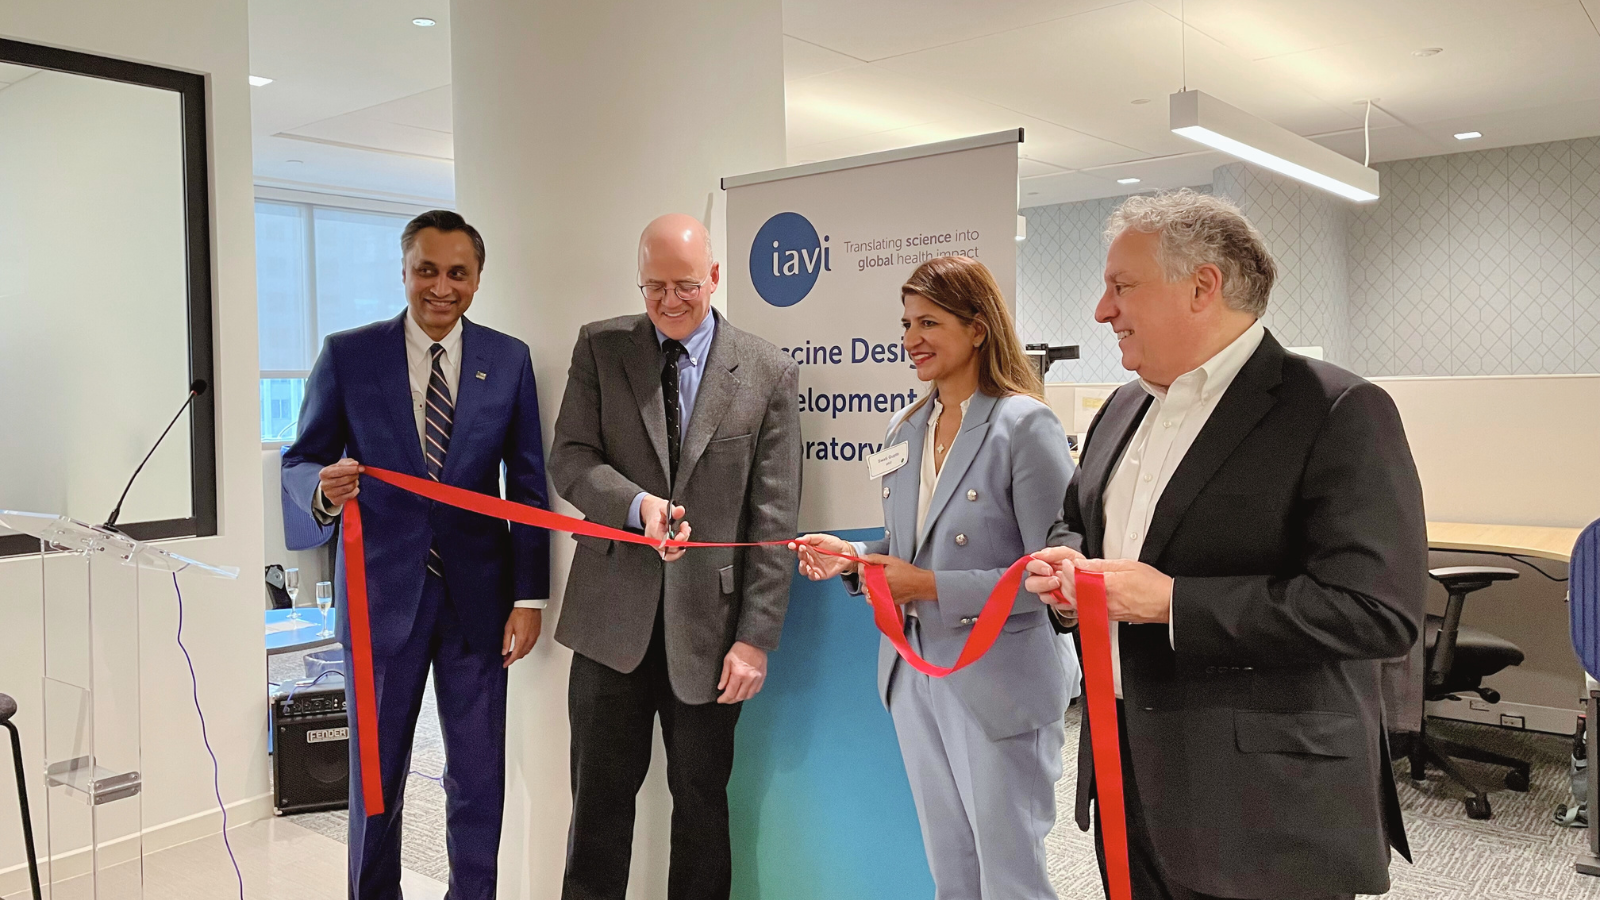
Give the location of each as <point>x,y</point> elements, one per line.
<point>433,395</point>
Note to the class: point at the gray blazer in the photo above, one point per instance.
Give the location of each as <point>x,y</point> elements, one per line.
<point>996,500</point>
<point>738,480</point>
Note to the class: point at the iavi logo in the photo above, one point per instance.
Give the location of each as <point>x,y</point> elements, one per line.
<point>786,258</point>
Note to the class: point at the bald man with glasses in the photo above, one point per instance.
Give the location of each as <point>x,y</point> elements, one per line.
<point>669,417</point>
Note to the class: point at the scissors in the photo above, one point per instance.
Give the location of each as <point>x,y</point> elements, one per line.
<point>668,534</point>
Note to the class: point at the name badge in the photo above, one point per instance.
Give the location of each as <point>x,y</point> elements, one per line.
<point>885,461</point>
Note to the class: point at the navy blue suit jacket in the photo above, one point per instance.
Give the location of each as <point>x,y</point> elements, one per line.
<point>358,404</point>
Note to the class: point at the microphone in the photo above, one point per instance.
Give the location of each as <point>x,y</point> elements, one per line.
<point>196,388</point>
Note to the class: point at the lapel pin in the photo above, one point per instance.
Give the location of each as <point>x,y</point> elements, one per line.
<point>483,376</point>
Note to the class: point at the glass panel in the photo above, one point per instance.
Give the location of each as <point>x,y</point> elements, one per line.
<point>358,268</point>
<point>280,407</point>
<point>93,241</point>
<point>282,304</point>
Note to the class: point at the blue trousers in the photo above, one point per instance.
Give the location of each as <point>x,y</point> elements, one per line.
<point>470,688</point>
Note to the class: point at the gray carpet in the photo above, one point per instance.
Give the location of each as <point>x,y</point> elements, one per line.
<point>1520,853</point>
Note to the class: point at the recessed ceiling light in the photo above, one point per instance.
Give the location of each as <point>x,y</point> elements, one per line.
<point>1127,181</point>
<point>423,22</point>
<point>1141,101</point>
<point>1428,51</point>
<point>1469,135</point>
<point>258,81</point>
<point>1033,193</point>
<point>294,161</point>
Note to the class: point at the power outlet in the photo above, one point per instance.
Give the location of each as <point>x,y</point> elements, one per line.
<point>1510,721</point>
<point>1479,705</point>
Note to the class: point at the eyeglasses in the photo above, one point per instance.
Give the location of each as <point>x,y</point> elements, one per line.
<point>686,290</point>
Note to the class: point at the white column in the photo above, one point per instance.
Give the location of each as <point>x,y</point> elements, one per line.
<point>575,124</point>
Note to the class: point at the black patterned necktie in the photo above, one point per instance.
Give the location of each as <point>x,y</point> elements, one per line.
<point>438,416</point>
<point>671,350</point>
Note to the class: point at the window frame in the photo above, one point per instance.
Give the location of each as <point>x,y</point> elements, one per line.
<point>308,202</point>
<point>191,90</point>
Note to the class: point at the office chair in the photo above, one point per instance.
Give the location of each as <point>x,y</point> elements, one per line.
<point>1458,658</point>
<point>8,708</point>
<point>1583,596</point>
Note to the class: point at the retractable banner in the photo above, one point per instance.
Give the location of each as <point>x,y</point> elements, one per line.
<point>816,257</point>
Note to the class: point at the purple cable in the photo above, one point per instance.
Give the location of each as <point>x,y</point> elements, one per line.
<point>216,773</point>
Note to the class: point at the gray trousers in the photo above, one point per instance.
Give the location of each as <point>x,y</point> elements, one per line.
<point>985,806</point>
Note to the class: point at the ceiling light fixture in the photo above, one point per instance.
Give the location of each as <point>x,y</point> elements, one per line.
<point>1141,101</point>
<point>1427,51</point>
<point>1203,118</point>
<point>423,22</point>
<point>1127,181</point>
<point>258,81</point>
<point>1469,135</point>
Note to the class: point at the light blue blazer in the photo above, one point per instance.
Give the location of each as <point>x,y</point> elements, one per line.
<point>998,495</point>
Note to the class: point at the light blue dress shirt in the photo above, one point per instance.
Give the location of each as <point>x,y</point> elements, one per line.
<point>690,368</point>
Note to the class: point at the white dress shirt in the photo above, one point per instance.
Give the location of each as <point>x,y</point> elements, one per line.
<point>1163,438</point>
<point>928,481</point>
<point>419,366</point>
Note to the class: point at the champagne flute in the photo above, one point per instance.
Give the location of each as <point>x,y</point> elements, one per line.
<point>324,601</point>
<point>291,584</point>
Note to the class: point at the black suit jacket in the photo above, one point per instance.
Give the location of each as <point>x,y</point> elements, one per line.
<point>1295,533</point>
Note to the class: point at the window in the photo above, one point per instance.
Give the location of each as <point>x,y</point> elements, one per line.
<point>319,270</point>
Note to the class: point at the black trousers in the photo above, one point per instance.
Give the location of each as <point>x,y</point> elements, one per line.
<point>1148,879</point>
<point>613,717</point>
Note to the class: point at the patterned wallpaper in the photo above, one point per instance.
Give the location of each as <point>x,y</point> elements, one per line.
<point>1059,271</point>
<point>1305,231</point>
<point>1479,263</point>
<point>1482,263</point>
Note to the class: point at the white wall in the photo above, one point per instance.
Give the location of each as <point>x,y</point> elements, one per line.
<point>94,301</point>
<point>223,619</point>
<point>575,124</point>
<point>1509,450</point>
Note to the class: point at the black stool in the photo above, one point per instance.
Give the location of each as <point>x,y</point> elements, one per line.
<point>8,708</point>
<point>1458,659</point>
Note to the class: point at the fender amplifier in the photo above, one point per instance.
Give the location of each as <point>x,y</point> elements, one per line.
<point>311,750</point>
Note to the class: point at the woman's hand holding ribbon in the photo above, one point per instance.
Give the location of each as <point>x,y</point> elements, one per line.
<point>1052,575</point>
<point>906,582</point>
<point>823,556</point>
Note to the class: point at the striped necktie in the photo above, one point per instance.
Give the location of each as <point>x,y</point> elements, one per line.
<point>438,417</point>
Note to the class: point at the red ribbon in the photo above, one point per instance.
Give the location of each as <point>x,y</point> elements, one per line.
<point>886,614</point>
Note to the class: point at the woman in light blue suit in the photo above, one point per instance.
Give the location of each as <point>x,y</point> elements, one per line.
<point>986,466</point>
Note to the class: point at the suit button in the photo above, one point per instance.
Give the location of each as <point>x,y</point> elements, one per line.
<point>972,495</point>
<point>885,493</point>
<point>961,540</point>
<point>1211,670</point>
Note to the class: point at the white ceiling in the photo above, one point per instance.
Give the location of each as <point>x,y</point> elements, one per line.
<point>361,96</point>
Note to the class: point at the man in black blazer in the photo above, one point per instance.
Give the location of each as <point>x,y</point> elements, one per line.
<point>1258,519</point>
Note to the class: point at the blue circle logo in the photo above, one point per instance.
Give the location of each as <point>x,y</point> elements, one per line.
<point>786,258</point>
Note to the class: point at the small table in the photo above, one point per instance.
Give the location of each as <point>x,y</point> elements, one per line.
<point>284,637</point>
<point>1538,541</point>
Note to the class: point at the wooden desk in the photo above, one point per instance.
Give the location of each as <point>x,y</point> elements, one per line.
<point>1537,541</point>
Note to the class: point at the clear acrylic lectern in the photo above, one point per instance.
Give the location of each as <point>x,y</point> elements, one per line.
<point>90,579</point>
